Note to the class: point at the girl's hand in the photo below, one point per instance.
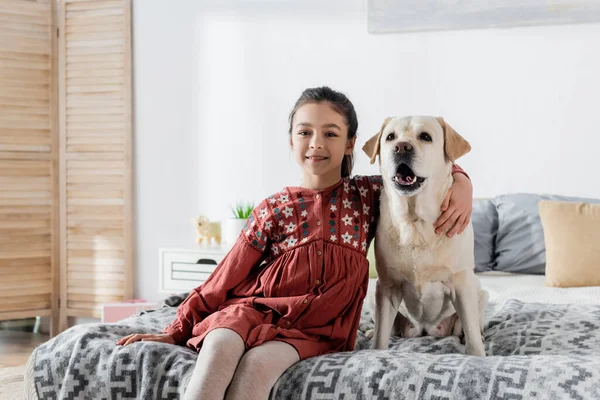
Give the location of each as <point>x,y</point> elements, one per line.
<point>456,207</point>
<point>145,337</point>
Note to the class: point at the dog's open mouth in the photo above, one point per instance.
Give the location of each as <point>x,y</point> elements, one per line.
<point>406,178</point>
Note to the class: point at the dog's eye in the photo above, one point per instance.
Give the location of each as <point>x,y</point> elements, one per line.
<point>425,137</point>
<point>389,137</point>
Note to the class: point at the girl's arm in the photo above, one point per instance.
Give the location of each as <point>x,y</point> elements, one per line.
<point>248,252</point>
<point>457,206</point>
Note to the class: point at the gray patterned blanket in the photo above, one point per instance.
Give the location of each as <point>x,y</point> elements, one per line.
<point>535,351</point>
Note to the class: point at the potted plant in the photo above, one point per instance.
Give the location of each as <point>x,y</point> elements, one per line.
<point>234,225</point>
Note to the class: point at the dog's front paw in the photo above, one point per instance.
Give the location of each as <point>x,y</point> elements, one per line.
<point>477,351</point>
<point>370,333</point>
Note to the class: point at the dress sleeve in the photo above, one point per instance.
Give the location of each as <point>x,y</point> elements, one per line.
<point>249,250</point>
<point>457,169</point>
<point>370,187</point>
<point>374,183</point>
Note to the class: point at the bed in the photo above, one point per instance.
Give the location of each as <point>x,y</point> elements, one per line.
<point>540,342</point>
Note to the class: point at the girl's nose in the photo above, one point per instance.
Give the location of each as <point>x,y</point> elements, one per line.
<point>316,143</point>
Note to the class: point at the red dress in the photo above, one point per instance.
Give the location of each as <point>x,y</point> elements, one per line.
<point>298,272</point>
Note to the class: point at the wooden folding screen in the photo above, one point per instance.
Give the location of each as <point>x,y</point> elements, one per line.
<point>65,157</point>
<point>28,159</point>
<point>95,155</point>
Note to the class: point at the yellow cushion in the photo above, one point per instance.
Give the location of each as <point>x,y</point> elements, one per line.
<point>371,258</point>
<point>572,238</point>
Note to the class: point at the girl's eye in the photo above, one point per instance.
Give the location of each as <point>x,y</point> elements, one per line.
<point>391,136</point>
<point>303,133</point>
<point>331,134</point>
<point>425,137</point>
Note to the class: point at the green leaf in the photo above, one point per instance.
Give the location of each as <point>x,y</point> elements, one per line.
<point>242,210</point>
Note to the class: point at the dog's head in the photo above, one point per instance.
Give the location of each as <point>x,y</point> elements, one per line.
<point>413,149</point>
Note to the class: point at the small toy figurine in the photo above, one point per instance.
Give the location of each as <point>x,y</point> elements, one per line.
<point>207,230</point>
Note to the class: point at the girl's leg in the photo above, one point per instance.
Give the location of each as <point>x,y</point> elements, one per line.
<point>217,360</point>
<point>259,369</point>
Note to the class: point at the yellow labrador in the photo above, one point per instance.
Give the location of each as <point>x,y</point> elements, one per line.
<point>426,282</point>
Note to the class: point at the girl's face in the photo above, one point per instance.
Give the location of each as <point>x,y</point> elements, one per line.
<point>319,141</point>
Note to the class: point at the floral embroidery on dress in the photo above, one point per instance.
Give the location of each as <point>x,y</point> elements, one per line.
<point>288,219</point>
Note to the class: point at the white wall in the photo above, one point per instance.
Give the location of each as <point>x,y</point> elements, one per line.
<point>214,83</point>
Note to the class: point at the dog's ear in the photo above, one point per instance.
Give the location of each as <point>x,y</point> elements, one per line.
<point>372,145</point>
<point>455,146</point>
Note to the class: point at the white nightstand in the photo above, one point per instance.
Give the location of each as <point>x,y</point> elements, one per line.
<point>182,270</point>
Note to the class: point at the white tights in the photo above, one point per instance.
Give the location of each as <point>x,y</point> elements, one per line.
<point>225,371</point>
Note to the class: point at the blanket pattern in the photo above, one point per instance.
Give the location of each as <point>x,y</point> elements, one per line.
<point>533,351</point>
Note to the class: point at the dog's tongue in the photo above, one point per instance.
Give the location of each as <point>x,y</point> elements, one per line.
<point>405,175</point>
<point>406,179</point>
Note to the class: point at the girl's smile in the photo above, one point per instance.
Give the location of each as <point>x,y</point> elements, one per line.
<point>317,159</point>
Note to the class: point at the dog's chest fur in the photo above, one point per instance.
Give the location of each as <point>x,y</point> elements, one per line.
<point>414,252</point>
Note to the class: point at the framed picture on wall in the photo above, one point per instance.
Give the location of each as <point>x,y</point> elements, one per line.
<point>393,16</point>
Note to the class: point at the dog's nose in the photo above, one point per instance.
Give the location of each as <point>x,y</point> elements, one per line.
<point>403,148</point>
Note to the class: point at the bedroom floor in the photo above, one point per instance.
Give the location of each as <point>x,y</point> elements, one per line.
<point>16,347</point>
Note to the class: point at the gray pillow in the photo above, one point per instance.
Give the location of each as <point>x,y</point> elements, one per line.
<point>485,225</point>
<point>520,246</point>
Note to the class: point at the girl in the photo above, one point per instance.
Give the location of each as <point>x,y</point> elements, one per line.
<point>292,286</point>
